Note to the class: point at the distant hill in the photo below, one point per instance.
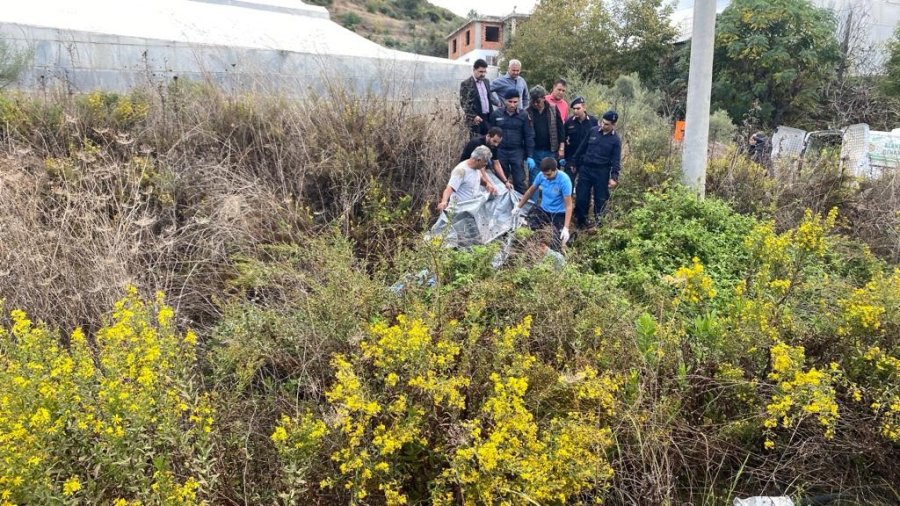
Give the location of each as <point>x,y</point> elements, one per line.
<point>409,25</point>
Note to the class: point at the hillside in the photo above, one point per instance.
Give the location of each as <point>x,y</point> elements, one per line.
<point>409,25</point>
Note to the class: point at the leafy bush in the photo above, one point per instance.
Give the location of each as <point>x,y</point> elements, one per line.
<point>665,231</point>
<point>721,128</point>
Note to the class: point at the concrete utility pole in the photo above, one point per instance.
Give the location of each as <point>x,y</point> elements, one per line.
<point>696,136</point>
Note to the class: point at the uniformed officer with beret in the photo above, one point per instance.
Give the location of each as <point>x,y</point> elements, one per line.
<point>599,159</point>
<point>517,145</point>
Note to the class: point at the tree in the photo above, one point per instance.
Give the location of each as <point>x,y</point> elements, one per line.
<point>856,91</point>
<point>13,61</point>
<point>891,81</point>
<point>775,55</point>
<point>643,35</point>
<point>592,39</point>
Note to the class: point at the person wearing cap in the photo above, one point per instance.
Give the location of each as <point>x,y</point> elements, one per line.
<point>556,202</point>
<point>577,129</point>
<point>474,98</point>
<point>491,140</point>
<point>599,160</point>
<point>557,98</point>
<point>466,178</point>
<point>512,80</point>
<point>517,145</point>
<point>549,135</point>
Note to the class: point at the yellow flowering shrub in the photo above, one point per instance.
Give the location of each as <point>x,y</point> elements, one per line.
<point>409,411</point>
<point>885,390</point>
<point>695,284</point>
<point>124,110</point>
<point>867,307</point>
<point>777,255</point>
<point>799,393</point>
<point>118,417</point>
<point>810,234</point>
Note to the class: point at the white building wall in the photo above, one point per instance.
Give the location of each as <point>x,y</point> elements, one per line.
<point>488,55</point>
<point>276,45</point>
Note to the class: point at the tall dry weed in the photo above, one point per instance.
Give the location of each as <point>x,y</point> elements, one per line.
<point>164,187</point>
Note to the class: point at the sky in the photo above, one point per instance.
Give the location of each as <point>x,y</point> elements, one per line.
<point>492,8</point>
<point>504,7</point>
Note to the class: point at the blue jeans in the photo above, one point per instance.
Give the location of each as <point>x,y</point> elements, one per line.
<point>590,177</point>
<point>512,162</point>
<point>538,156</point>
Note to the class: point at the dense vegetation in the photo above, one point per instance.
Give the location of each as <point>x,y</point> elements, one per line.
<point>777,62</point>
<point>307,347</point>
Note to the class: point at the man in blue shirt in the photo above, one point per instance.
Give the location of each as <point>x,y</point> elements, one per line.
<point>518,139</point>
<point>511,81</point>
<point>556,202</point>
<point>599,160</point>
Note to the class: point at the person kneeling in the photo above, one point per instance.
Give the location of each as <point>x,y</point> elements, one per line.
<point>556,202</point>
<point>466,178</point>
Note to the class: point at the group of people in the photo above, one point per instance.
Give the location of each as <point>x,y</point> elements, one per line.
<point>525,136</point>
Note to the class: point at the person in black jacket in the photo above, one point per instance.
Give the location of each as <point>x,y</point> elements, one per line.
<point>599,159</point>
<point>491,140</point>
<point>518,139</point>
<point>549,135</point>
<point>474,98</point>
<point>577,129</point>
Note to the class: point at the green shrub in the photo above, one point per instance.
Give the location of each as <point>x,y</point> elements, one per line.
<point>721,128</point>
<point>665,231</point>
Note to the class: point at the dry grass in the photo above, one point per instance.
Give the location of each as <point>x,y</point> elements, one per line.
<point>92,199</point>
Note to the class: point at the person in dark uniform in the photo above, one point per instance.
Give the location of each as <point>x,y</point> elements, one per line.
<point>474,98</point>
<point>599,160</point>
<point>518,139</point>
<point>577,129</point>
<point>491,140</point>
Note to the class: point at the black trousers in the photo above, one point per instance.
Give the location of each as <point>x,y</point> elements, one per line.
<point>539,218</point>
<point>591,179</point>
<point>511,161</point>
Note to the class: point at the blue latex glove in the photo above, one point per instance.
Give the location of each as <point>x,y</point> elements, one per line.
<point>530,163</point>
<point>562,162</point>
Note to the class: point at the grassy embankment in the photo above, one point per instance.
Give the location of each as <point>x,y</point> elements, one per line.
<point>689,351</point>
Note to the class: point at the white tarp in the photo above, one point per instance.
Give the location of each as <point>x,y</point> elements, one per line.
<point>479,220</point>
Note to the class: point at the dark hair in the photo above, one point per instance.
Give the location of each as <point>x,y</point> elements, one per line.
<point>495,131</point>
<point>560,81</point>
<point>479,64</point>
<point>548,163</point>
